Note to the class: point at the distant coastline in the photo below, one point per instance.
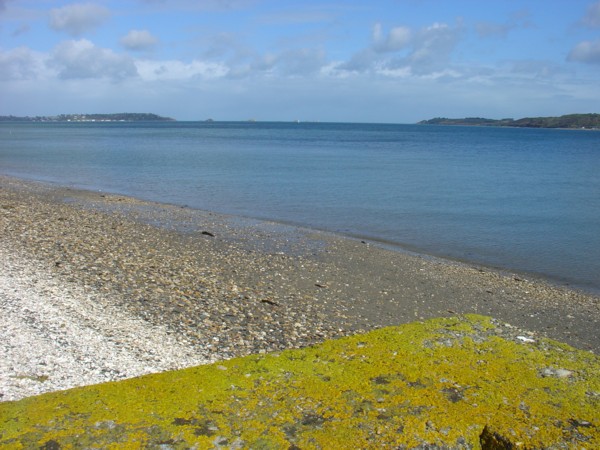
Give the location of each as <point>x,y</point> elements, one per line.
<point>116,117</point>
<point>571,121</point>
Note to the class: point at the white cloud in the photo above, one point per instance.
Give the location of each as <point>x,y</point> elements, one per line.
<point>434,44</point>
<point>586,52</point>
<point>401,72</point>
<point>404,50</point>
<point>239,60</point>
<point>82,59</point>
<point>397,39</point>
<point>362,61</point>
<point>518,19</point>
<point>536,68</point>
<point>592,17</point>
<point>264,63</point>
<point>138,40</point>
<point>20,64</point>
<point>178,70</point>
<point>78,18</point>
<point>301,61</point>
<point>226,45</point>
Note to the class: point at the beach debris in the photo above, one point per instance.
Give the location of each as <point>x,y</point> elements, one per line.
<point>208,233</point>
<point>269,302</point>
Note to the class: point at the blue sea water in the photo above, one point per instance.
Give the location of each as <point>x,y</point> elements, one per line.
<point>520,199</point>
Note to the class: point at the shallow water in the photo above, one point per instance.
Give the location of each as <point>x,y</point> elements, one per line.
<point>521,199</point>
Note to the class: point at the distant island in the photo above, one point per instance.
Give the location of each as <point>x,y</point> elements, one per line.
<point>579,121</point>
<point>117,117</point>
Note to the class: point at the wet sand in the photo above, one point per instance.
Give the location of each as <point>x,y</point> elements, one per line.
<point>227,286</point>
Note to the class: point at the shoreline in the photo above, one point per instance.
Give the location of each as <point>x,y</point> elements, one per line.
<point>224,286</point>
<point>401,247</point>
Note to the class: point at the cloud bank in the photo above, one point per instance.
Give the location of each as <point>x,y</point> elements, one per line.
<point>323,69</point>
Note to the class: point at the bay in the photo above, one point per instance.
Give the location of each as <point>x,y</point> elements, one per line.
<point>526,200</point>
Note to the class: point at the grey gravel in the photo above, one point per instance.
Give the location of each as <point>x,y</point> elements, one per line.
<point>97,287</point>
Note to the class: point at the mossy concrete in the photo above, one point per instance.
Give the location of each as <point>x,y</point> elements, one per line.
<point>459,382</point>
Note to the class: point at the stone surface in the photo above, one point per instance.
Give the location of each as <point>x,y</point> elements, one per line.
<point>465,382</point>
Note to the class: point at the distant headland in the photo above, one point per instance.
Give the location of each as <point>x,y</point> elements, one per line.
<point>116,117</point>
<point>574,121</point>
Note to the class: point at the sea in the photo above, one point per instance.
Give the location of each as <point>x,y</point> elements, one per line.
<point>521,200</point>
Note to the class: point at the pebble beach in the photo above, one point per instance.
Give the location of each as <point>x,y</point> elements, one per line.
<point>97,287</point>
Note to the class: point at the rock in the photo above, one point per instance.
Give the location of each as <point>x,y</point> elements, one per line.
<point>490,440</point>
<point>563,373</point>
<point>355,392</point>
<point>557,373</point>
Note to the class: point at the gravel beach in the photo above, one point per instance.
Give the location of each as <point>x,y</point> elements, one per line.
<point>97,287</point>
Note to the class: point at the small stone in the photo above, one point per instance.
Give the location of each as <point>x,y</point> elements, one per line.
<point>559,373</point>
<point>563,373</point>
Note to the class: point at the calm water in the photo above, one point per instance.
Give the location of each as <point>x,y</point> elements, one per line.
<point>521,199</point>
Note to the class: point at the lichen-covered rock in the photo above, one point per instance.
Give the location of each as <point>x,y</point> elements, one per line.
<point>465,382</point>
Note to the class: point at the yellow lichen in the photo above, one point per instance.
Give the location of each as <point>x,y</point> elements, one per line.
<point>447,382</point>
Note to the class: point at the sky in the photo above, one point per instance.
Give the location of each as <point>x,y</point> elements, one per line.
<point>394,61</point>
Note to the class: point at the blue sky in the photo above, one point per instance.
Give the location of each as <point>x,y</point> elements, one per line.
<point>395,61</point>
